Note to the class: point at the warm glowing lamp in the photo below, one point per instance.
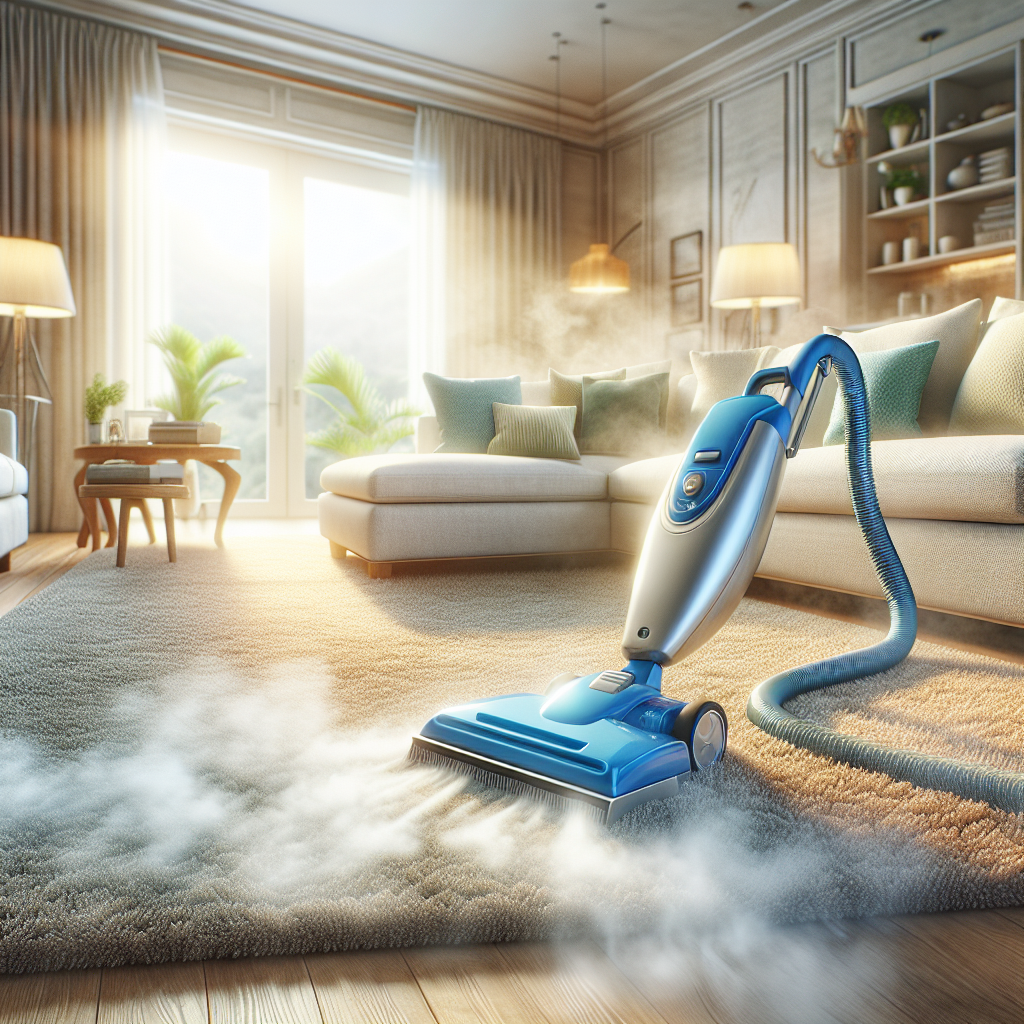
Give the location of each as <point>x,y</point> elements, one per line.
<point>756,275</point>
<point>599,272</point>
<point>33,283</point>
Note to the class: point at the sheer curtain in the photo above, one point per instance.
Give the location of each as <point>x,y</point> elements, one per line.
<point>81,152</point>
<point>486,215</point>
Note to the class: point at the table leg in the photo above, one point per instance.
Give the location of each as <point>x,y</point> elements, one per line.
<point>122,530</point>
<point>108,514</point>
<point>91,526</point>
<point>147,518</point>
<point>172,548</point>
<point>232,480</point>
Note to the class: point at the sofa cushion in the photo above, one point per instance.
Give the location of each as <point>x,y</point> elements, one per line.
<point>623,417</point>
<point>395,479</point>
<point>991,395</point>
<point>893,382</point>
<point>463,408</point>
<point>956,331</point>
<point>954,478</point>
<point>540,432</point>
<point>724,375</point>
<point>13,477</point>
<point>568,390</point>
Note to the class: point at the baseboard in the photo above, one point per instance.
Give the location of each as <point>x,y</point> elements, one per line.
<point>491,563</point>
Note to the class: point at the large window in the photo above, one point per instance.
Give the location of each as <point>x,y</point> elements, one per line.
<point>286,253</point>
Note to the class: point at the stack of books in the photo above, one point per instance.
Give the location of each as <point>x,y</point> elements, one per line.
<point>120,471</point>
<point>184,432</point>
<point>994,165</point>
<point>995,223</point>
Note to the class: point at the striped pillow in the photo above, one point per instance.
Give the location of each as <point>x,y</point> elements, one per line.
<point>539,431</point>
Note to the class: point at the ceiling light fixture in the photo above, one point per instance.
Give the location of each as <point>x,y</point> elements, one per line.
<point>601,272</point>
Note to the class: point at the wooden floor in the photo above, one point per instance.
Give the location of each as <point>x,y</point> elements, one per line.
<point>931,969</point>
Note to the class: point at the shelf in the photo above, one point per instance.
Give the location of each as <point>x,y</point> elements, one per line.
<point>918,208</point>
<point>992,130</point>
<point>904,153</point>
<point>975,252</point>
<point>989,190</point>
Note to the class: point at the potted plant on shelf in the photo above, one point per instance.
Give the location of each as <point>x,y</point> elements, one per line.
<point>906,183</point>
<point>100,396</point>
<point>899,119</point>
<point>368,424</point>
<point>195,380</point>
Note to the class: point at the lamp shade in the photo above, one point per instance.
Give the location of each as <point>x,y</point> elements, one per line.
<point>33,279</point>
<point>763,273</point>
<point>599,272</point>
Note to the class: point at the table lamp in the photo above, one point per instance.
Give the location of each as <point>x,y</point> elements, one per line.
<point>755,275</point>
<point>33,283</point>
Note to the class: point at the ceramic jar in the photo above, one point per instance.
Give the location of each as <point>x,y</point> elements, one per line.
<point>903,195</point>
<point>963,176</point>
<point>911,248</point>
<point>948,243</point>
<point>890,253</point>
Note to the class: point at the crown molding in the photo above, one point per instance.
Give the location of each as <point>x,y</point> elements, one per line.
<point>219,29</point>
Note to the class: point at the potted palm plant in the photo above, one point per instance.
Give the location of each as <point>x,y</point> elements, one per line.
<point>195,382</point>
<point>100,396</point>
<point>366,423</point>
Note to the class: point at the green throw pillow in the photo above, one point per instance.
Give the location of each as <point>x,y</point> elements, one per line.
<point>463,409</point>
<point>568,390</point>
<point>622,417</point>
<point>894,380</point>
<point>537,431</point>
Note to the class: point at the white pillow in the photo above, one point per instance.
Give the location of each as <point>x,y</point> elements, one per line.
<point>991,395</point>
<point>956,331</point>
<point>723,375</point>
<point>1002,308</point>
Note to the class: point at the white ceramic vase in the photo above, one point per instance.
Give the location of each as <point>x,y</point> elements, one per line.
<point>963,176</point>
<point>93,433</point>
<point>188,508</point>
<point>903,195</point>
<point>899,135</point>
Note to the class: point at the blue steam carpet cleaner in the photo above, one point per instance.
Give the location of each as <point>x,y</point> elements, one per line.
<point>610,741</point>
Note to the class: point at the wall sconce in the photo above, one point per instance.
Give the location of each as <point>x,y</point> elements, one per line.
<point>846,147</point>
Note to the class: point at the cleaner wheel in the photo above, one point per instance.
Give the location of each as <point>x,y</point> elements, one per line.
<point>703,727</point>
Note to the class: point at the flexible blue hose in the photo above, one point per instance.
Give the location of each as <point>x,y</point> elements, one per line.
<point>1003,789</point>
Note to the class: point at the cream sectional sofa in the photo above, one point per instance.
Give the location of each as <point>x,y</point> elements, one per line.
<point>954,507</point>
<point>13,491</point>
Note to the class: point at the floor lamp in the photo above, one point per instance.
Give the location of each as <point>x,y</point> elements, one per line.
<point>33,283</point>
<point>755,276</point>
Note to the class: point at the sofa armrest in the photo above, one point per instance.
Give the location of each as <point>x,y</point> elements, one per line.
<point>8,434</point>
<point>428,435</point>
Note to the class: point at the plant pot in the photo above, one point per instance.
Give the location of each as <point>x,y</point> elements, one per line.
<point>903,195</point>
<point>188,508</point>
<point>899,135</point>
<point>93,433</point>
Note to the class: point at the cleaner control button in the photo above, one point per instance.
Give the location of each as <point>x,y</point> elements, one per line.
<point>612,682</point>
<point>708,455</point>
<point>692,484</point>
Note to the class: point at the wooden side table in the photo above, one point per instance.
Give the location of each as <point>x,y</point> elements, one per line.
<point>132,496</point>
<point>213,455</point>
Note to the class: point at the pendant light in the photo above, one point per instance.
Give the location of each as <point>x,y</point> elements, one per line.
<point>601,272</point>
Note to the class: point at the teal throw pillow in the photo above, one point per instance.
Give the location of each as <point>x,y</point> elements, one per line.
<point>535,431</point>
<point>463,409</point>
<point>894,380</point>
<point>622,417</point>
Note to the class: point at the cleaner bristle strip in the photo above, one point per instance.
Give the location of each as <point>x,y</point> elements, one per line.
<point>513,786</point>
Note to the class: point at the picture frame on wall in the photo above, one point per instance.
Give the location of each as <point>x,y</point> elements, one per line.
<point>686,255</point>
<point>685,307</point>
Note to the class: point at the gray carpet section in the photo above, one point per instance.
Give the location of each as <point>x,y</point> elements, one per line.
<point>206,759</point>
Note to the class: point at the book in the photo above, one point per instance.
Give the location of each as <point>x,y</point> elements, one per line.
<point>184,432</point>
<point>996,235</point>
<point>130,473</point>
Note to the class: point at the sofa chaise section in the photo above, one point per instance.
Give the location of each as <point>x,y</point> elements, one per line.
<point>954,507</point>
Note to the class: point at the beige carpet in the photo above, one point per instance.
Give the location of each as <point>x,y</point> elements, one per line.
<point>205,759</point>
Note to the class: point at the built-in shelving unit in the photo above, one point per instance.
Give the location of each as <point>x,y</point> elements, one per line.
<point>962,93</point>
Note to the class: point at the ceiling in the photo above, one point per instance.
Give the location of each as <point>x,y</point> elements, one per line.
<point>513,41</point>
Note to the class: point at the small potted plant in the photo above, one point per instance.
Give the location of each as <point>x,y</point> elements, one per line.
<point>899,119</point>
<point>906,183</point>
<point>192,366</point>
<point>100,396</point>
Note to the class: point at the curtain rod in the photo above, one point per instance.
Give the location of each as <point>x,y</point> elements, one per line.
<point>286,78</point>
